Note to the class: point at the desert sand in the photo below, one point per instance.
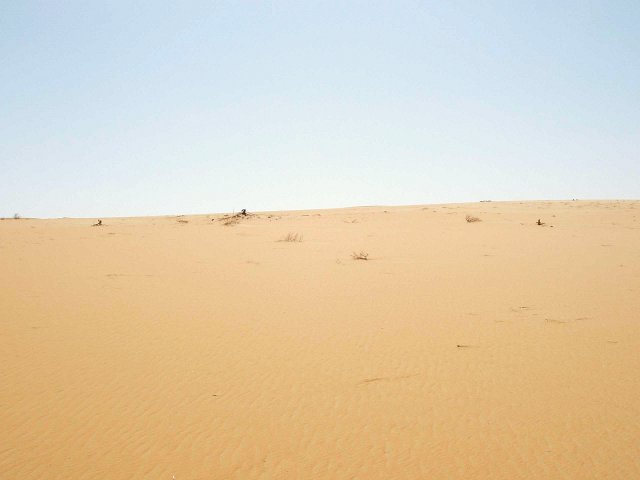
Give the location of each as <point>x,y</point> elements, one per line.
<point>181,347</point>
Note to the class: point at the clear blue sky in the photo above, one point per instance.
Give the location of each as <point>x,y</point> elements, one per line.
<point>135,108</point>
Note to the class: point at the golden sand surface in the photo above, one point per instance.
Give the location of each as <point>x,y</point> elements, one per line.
<point>195,347</point>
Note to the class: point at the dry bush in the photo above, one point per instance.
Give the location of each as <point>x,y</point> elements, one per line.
<point>230,220</point>
<point>292,237</point>
<point>471,219</point>
<point>360,256</point>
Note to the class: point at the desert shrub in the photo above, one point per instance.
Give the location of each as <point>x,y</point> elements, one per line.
<point>230,220</point>
<point>292,237</point>
<point>471,219</point>
<point>360,256</point>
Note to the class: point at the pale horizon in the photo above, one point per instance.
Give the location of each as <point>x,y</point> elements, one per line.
<point>320,209</point>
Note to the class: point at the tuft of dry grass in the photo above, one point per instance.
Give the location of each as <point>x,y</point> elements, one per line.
<point>292,237</point>
<point>471,219</point>
<point>360,256</point>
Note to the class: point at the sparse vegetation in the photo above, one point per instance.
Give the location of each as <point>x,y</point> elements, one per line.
<point>471,219</point>
<point>360,256</point>
<point>292,237</point>
<point>230,220</point>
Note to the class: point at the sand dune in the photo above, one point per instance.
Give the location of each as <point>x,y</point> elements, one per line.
<point>181,347</point>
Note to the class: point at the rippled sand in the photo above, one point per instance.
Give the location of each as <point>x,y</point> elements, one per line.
<point>181,347</point>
